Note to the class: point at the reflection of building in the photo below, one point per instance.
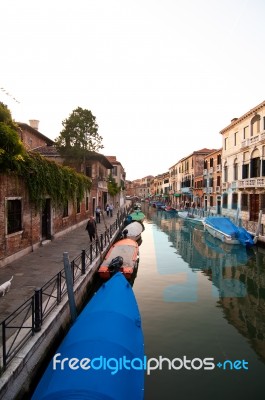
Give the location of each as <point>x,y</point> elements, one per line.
<point>243,165</point>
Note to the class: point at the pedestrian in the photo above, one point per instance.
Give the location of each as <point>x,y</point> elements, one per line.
<point>111,209</point>
<point>91,228</point>
<point>98,211</point>
<point>107,210</point>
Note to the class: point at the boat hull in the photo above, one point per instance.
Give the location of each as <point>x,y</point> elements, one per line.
<point>128,249</point>
<point>134,230</point>
<point>109,328</point>
<point>225,230</point>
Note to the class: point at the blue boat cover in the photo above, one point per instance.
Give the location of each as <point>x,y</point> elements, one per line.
<point>226,226</point>
<point>108,332</point>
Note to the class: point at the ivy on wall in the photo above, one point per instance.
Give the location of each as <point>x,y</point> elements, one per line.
<point>46,178</point>
<point>42,177</point>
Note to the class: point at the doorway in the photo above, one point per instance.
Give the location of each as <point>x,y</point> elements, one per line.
<point>46,220</point>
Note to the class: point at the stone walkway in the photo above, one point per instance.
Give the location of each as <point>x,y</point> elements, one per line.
<point>35,269</point>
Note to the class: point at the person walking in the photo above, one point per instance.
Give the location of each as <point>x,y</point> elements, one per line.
<point>111,209</point>
<point>91,228</point>
<point>98,215</point>
<point>107,210</point>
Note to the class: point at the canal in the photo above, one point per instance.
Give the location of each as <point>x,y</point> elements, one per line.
<point>203,313</point>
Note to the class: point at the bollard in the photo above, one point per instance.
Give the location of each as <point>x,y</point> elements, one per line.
<point>37,310</point>
<point>70,287</point>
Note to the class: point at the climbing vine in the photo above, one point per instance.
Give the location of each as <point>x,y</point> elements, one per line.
<point>61,183</point>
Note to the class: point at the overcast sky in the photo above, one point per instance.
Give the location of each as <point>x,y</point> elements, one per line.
<point>162,77</point>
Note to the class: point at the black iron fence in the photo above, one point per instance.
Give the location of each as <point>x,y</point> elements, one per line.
<point>21,325</point>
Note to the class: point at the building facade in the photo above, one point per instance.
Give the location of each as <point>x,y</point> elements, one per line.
<point>243,168</point>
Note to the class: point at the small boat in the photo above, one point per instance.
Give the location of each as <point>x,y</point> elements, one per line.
<point>102,355</point>
<point>187,216</point>
<point>123,256</point>
<point>170,209</point>
<point>133,230</point>
<point>225,230</point>
<point>159,205</point>
<point>137,215</point>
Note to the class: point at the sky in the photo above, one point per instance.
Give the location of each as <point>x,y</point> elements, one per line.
<point>162,77</point>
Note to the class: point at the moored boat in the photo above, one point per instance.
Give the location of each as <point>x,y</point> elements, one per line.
<point>133,230</point>
<point>195,219</point>
<point>137,215</point>
<point>225,230</point>
<point>89,363</point>
<point>123,256</point>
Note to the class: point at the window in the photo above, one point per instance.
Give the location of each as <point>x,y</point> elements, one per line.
<point>211,201</point>
<point>218,180</point>
<point>211,162</point>
<point>225,173</point>
<point>255,167</point>
<point>225,143</point>
<point>235,137</point>
<point>225,198</point>
<point>89,171</point>
<point>115,171</point>
<point>245,168</point>
<point>244,202</point>
<point>87,203</point>
<point>14,216</point>
<point>245,132</point>
<point>235,171</point>
<point>234,201</point>
<point>219,159</point>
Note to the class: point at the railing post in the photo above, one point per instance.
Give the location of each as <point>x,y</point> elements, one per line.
<point>4,343</point>
<point>101,242</point>
<point>91,252</point>
<point>59,287</point>
<point>37,310</point>
<point>83,258</point>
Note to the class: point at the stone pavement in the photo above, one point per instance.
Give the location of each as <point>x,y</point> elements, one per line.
<point>35,269</point>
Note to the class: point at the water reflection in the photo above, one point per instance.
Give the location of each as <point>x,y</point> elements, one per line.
<point>237,274</point>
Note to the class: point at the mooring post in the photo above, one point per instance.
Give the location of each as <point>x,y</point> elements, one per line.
<point>70,286</point>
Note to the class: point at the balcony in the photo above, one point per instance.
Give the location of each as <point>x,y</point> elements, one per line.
<point>224,185</point>
<point>218,189</point>
<point>253,140</point>
<point>205,172</point>
<point>210,170</point>
<point>208,190</point>
<point>251,183</point>
<point>219,168</point>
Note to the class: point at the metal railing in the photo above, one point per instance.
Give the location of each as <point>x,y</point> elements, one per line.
<point>26,320</point>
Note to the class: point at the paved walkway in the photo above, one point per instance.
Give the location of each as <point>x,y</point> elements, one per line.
<point>36,268</point>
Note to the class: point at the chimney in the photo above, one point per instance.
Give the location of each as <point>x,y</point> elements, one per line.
<point>34,123</point>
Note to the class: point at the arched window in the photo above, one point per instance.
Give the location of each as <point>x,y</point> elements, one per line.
<point>255,125</point>
<point>255,164</point>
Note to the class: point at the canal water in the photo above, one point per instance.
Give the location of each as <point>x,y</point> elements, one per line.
<point>202,305</point>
